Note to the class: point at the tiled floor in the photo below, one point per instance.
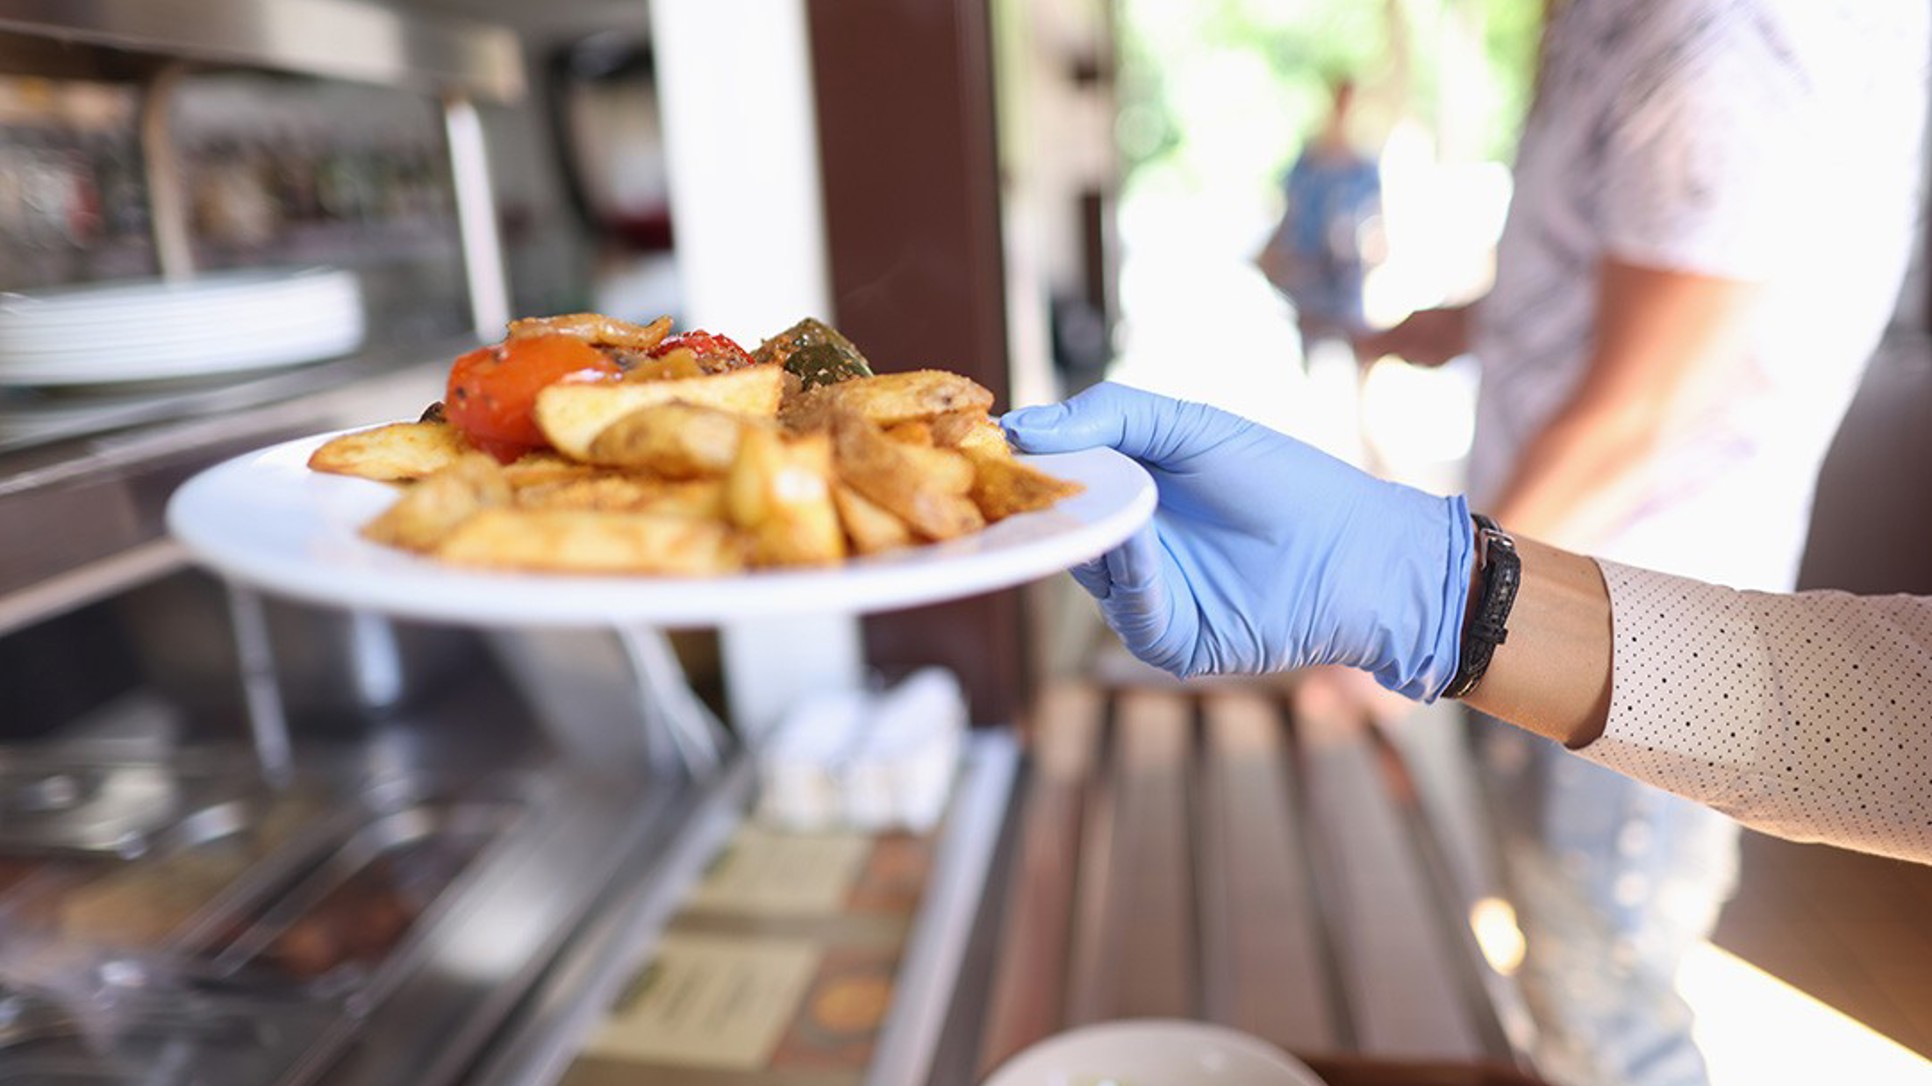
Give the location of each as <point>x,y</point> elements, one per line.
<point>1846,928</point>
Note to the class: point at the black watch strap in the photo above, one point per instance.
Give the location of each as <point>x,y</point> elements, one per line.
<point>1489,624</point>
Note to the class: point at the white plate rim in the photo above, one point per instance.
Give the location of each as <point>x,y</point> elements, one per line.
<point>190,326</point>
<point>216,289</point>
<point>298,539</point>
<point>164,367</point>
<point>1041,1062</point>
<point>225,339</point>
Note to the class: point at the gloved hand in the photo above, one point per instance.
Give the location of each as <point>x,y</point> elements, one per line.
<point>1264,553</point>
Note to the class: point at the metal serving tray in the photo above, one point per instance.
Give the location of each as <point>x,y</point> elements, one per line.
<point>154,1039</point>
<point>194,877</point>
<point>350,926</point>
<point>267,981</point>
<point>77,801</point>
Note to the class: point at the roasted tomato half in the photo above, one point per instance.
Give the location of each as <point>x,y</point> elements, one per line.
<point>718,353</point>
<point>492,390</point>
<point>690,354</point>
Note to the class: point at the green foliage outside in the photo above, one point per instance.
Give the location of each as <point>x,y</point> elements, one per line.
<point>1210,88</point>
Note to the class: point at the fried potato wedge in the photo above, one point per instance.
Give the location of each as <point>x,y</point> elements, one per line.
<point>971,432</point>
<point>915,432</point>
<point>1002,486</point>
<point>616,492</point>
<point>887,399</point>
<point>896,478</point>
<point>397,452</point>
<point>545,469</point>
<point>574,541</point>
<point>945,470</point>
<point>870,527</point>
<point>572,414</point>
<point>675,440</point>
<point>780,493</point>
<point>429,511</point>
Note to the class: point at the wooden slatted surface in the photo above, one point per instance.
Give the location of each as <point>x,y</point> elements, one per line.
<point>1269,972</point>
<point>1197,853</point>
<point>1029,994</point>
<point>1398,976</point>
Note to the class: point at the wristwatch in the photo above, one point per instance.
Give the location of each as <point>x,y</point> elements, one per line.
<point>1488,625</point>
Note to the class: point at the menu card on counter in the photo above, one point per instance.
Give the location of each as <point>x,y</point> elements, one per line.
<point>778,970</point>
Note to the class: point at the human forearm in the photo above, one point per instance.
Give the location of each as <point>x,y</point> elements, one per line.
<point>1666,344</point>
<point>1428,337</point>
<point>1798,715</point>
<point>1552,675</point>
<point>1582,473</point>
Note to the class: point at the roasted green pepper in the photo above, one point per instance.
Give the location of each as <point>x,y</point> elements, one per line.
<point>815,352</point>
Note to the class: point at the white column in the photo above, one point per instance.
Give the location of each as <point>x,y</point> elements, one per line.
<point>741,148</point>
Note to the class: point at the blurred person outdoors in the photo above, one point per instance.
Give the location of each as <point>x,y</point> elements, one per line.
<point>1329,235</point>
<point>1713,205</point>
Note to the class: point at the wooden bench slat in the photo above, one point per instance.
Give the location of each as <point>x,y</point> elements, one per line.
<point>1153,862</point>
<point>1094,953</point>
<point>1029,989</point>
<point>1264,969</point>
<point>1404,998</point>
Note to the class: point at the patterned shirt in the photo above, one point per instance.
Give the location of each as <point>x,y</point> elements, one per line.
<point>1808,716</point>
<point>1766,141</point>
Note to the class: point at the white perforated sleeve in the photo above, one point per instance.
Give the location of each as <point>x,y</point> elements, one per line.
<point>1808,716</point>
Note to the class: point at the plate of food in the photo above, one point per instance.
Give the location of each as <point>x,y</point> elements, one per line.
<point>587,471</point>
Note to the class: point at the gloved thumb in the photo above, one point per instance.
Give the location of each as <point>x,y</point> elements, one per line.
<point>1110,415</point>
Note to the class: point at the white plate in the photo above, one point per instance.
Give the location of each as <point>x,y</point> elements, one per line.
<point>1153,1052</point>
<point>264,518</point>
<point>148,330</point>
<point>232,356</point>
<point>208,294</point>
<point>240,322</point>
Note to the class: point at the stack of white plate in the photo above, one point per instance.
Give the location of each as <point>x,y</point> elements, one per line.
<point>223,322</point>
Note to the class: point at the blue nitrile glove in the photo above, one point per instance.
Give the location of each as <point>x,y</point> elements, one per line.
<point>1266,554</point>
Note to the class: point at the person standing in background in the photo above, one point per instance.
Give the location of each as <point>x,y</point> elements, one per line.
<point>1330,230</point>
<point>1714,204</point>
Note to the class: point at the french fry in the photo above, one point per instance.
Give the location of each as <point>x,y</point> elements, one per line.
<point>887,399</point>
<point>871,528</point>
<point>430,510</point>
<point>780,493</point>
<point>675,440</point>
<point>572,414</point>
<point>574,541</point>
<point>616,492</point>
<point>545,468</point>
<point>944,470</point>
<point>971,432</point>
<point>890,475</point>
<point>915,432</point>
<point>397,452</point>
<point>1002,486</point>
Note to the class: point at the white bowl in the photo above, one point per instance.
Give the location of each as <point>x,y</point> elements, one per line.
<point>1153,1052</point>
